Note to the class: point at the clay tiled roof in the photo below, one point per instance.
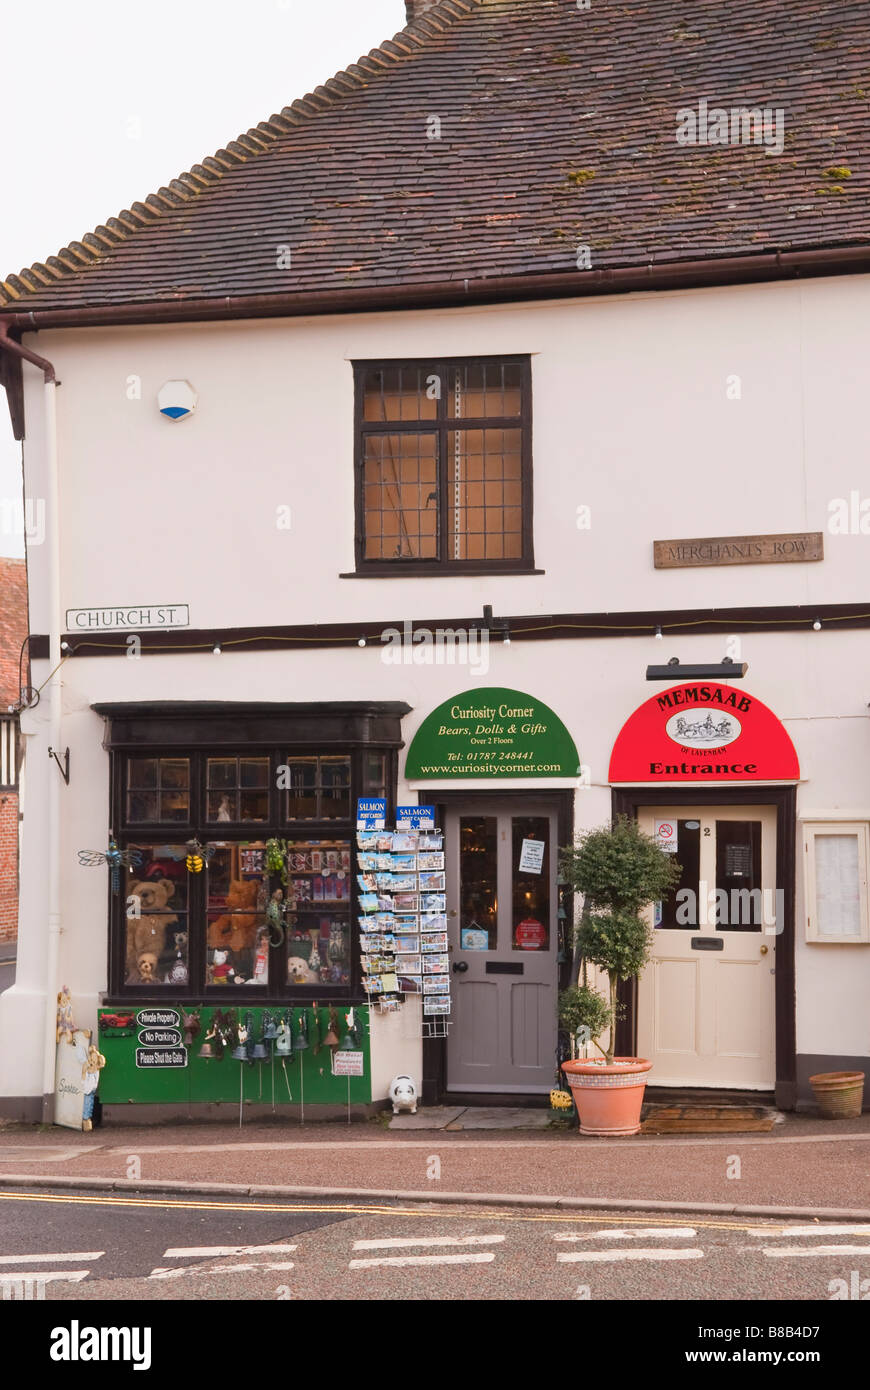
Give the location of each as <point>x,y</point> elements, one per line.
<point>557,130</point>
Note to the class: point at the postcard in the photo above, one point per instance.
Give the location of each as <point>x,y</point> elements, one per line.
<point>367,882</point>
<point>407,965</point>
<point>430,842</point>
<point>408,944</point>
<point>406,902</point>
<point>436,984</point>
<point>409,922</point>
<point>364,841</point>
<point>433,921</point>
<point>436,965</point>
<point>437,1005</point>
<point>368,902</point>
<point>404,842</point>
<point>403,863</point>
<point>430,861</point>
<point>433,902</point>
<point>410,984</point>
<point>432,883</point>
<point>435,941</point>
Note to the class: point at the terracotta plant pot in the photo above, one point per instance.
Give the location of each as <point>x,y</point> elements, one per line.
<point>839,1094</point>
<point>608,1097</point>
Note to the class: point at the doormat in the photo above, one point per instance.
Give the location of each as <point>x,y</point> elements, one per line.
<point>708,1119</point>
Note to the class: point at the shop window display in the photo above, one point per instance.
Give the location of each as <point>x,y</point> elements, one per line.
<point>318,788</point>
<point>205,909</point>
<point>158,790</point>
<point>156,918</point>
<point>237,931</point>
<point>237,790</point>
<point>318,912</point>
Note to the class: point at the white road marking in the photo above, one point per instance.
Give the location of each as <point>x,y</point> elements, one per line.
<point>51,1259</point>
<point>765,1233</point>
<point>678,1232</point>
<point>180,1252</point>
<point>39,1154</point>
<point>610,1256</point>
<point>58,1276</point>
<point>160,1273</point>
<point>789,1251</point>
<point>402,1261</point>
<point>397,1242</point>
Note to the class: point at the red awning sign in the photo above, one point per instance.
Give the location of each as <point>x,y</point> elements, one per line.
<point>703,733</point>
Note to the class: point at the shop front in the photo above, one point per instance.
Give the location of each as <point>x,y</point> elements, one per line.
<point>234,973</point>
<point>502,768</point>
<point>711,774</point>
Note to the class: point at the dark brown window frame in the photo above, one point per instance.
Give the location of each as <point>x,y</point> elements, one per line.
<point>352,729</point>
<point>441,426</point>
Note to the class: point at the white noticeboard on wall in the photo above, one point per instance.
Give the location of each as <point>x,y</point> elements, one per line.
<point>665,835</point>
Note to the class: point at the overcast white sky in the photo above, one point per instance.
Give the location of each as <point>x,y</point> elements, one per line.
<point>105,105</point>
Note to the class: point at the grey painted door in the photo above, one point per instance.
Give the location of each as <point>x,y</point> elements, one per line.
<point>502,904</point>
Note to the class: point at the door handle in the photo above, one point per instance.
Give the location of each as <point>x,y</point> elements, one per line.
<point>460,967</point>
<point>452,912</point>
<point>762,951</point>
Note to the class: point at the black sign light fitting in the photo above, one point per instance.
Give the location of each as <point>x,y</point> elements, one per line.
<point>723,670</point>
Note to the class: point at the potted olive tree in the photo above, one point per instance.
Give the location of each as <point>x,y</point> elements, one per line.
<point>620,871</point>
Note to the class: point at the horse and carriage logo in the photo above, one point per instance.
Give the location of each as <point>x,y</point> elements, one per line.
<point>703,733</point>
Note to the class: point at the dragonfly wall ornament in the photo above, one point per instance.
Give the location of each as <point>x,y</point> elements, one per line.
<point>195,855</point>
<point>114,857</point>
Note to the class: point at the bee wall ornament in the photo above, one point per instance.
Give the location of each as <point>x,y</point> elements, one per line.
<point>114,857</point>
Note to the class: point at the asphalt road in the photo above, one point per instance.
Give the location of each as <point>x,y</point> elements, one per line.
<point>92,1246</point>
<point>7,974</point>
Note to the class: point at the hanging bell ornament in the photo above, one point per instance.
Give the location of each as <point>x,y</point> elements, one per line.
<point>331,1038</point>
<point>315,1029</point>
<point>284,1037</point>
<point>302,1043</point>
<point>260,1053</point>
<point>355,1024</point>
<point>207,1052</point>
<point>240,1051</point>
<point>346,1044</point>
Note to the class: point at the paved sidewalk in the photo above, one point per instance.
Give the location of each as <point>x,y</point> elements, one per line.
<point>804,1165</point>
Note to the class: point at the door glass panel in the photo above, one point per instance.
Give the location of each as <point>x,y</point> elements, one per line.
<point>530,883</point>
<point>739,905</point>
<point>680,908</point>
<point>478,883</point>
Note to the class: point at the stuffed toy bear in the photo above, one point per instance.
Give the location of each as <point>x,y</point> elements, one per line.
<point>146,969</point>
<point>237,930</point>
<point>147,932</point>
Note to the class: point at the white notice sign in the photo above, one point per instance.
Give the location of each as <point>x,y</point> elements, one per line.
<point>348,1063</point>
<point>532,857</point>
<point>665,835</point>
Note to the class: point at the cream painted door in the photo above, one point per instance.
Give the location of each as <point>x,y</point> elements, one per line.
<point>502,904</point>
<point>706,1004</point>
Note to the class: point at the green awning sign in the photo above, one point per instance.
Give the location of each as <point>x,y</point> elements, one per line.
<point>488,734</point>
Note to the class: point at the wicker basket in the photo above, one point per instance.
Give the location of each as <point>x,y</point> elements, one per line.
<point>839,1094</point>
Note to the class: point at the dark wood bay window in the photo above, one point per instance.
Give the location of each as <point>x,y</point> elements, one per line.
<point>263,906</point>
<point>443,466</point>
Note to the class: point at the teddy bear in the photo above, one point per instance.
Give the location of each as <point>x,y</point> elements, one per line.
<point>236,930</point>
<point>146,968</point>
<point>147,931</point>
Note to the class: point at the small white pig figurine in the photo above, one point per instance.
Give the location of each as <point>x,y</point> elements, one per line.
<point>403,1094</point>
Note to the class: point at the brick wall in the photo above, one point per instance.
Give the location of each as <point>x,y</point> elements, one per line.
<point>13,629</point>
